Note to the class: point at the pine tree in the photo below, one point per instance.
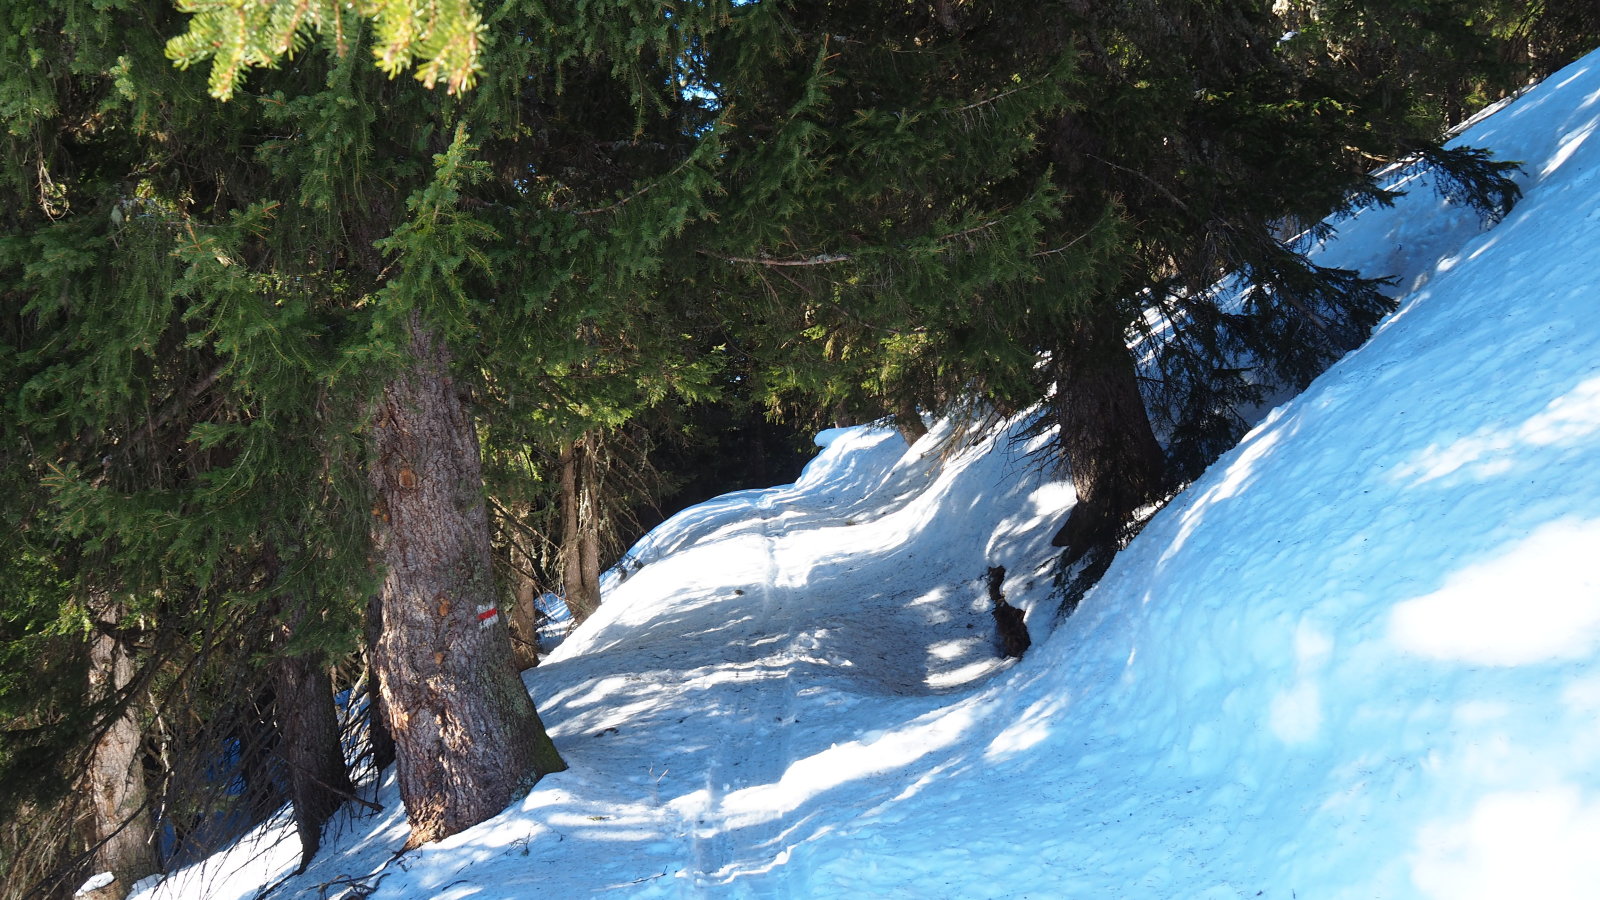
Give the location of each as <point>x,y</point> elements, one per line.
<point>883,213</point>
<point>950,192</point>
<point>467,738</point>
<point>248,343</point>
<point>1429,64</point>
<point>306,720</point>
<point>231,314</point>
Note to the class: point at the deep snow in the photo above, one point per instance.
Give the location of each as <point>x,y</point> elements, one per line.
<point>1358,658</point>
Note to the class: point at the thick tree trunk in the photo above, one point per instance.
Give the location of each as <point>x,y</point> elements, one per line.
<point>122,821</point>
<point>308,739</point>
<point>467,738</point>
<point>1116,463</point>
<point>580,535</point>
<point>908,421</point>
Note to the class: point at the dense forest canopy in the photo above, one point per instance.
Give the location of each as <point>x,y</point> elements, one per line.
<point>316,376</point>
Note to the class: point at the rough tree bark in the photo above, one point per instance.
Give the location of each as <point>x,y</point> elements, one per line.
<point>115,778</point>
<point>589,570</point>
<point>580,533</point>
<point>467,738</point>
<point>523,619</point>
<point>1116,463</point>
<point>908,421</point>
<point>308,740</point>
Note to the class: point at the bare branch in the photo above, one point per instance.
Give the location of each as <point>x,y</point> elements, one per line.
<point>1064,247</point>
<point>821,259</point>
<point>1145,178</point>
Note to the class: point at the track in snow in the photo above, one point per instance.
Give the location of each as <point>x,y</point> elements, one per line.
<point>761,668</point>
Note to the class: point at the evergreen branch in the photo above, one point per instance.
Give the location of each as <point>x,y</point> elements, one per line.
<point>237,35</point>
<point>1368,156</point>
<point>42,887</point>
<point>699,152</point>
<point>181,402</point>
<point>507,517</point>
<point>524,571</point>
<point>797,284</point>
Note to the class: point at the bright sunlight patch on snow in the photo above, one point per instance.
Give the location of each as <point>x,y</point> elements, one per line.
<point>1356,659</point>
<point>1514,844</point>
<point>1528,605</point>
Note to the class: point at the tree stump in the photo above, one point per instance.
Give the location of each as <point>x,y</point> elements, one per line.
<point>1008,620</point>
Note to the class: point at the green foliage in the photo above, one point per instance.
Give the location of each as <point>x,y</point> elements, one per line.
<point>1472,177</point>
<point>822,207</point>
<point>925,202</point>
<point>200,298</point>
<point>235,35</point>
<point>1427,64</point>
<point>40,684</point>
<point>882,211</point>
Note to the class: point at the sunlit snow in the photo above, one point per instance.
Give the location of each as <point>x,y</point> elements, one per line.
<point>1359,658</point>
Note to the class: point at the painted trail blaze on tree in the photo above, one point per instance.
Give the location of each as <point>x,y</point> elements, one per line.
<point>467,738</point>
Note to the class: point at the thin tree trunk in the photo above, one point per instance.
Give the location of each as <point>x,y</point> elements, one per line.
<point>259,770</point>
<point>580,537</point>
<point>523,621</point>
<point>1116,463</point>
<point>380,742</point>
<point>571,582</point>
<point>122,821</point>
<point>308,730</point>
<point>589,561</point>
<point>467,738</point>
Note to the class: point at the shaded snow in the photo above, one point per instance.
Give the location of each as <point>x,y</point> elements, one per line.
<point>1358,658</point>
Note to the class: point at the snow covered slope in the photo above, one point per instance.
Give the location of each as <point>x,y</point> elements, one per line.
<point>1359,658</point>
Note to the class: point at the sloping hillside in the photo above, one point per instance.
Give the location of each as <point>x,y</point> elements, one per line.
<point>1359,658</point>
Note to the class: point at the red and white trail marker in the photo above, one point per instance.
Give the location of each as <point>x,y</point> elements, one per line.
<point>488,615</point>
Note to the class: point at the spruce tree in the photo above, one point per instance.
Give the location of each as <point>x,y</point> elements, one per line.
<point>948,193</point>
<point>269,322</point>
<point>249,343</point>
<point>883,212</point>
